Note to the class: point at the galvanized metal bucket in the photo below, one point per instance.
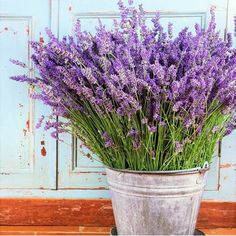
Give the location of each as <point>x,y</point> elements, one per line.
<point>156,203</point>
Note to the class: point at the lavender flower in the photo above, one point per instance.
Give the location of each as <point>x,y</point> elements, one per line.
<point>133,133</point>
<point>178,147</point>
<point>108,142</point>
<point>136,144</point>
<point>215,129</point>
<point>133,75</point>
<point>152,129</point>
<point>40,121</point>
<point>19,63</point>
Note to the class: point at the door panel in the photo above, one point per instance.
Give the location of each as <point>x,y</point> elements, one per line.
<point>76,169</point>
<point>80,170</point>
<point>27,156</point>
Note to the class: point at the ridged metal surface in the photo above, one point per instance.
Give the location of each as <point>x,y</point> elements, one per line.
<point>156,203</point>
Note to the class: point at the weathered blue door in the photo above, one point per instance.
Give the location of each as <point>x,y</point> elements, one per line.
<point>27,156</point>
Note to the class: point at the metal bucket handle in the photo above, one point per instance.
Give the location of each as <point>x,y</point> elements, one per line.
<point>205,167</point>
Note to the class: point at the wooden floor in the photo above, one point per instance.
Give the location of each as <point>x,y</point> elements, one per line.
<point>80,230</point>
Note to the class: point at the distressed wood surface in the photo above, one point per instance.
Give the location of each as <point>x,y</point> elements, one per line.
<point>53,230</point>
<point>56,212</point>
<point>217,215</point>
<point>95,212</point>
<point>81,230</point>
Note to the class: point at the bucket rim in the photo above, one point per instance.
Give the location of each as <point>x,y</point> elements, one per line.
<point>164,172</point>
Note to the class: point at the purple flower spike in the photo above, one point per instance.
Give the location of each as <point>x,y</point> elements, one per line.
<point>133,133</point>
<point>108,142</point>
<point>152,129</point>
<point>178,147</point>
<point>40,121</point>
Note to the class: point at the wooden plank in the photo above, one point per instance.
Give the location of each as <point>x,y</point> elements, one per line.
<point>95,212</point>
<point>220,231</point>
<point>80,230</point>
<point>53,230</point>
<point>56,212</point>
<point>217,215</point>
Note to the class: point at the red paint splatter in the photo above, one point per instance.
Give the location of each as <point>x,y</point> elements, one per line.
<point>27,128</point>
<point>70,8</point>
<point>227,165</point>
<point>27,30</point>
<point>43,151</point>
<point>28,125</point>
<point>41,40</point>
<point>6,28</point>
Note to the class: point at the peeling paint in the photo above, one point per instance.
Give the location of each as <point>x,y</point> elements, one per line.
<point>25,132</point>
<point>6,29</point>
<point>76,208</point>
<point>27,128</point>
<point>228,165</point>
<point>28,125</point>
<point>41,40</point>
<point>105,207</point>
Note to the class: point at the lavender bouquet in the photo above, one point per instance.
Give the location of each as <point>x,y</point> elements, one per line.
<point>137,97</point>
